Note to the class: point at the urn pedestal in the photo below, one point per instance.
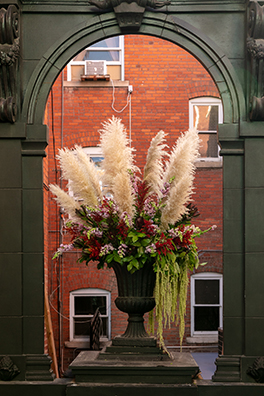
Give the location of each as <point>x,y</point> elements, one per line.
<point>135,297</point>
<point>134,356</point>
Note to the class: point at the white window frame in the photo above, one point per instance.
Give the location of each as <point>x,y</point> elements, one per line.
<point>110,63</point>
<point>93,151</point>
<point>84,293</point>
<point>206,276</point>
<point>206,101</point>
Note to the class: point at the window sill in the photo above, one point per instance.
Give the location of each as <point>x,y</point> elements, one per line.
<point>82,344</point>
<point>203,339</point>
<point>97,84</point>
<point>207,163</point>
<point>77,344</point>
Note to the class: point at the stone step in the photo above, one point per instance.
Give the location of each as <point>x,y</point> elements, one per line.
<point>181,369</point>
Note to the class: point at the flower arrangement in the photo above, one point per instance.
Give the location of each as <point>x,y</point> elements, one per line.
<point>138,219</point>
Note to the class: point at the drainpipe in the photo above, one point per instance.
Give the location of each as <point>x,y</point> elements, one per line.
<point>60,291</point>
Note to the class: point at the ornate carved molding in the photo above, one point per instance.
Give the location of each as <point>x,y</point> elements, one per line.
<point>255,47</point>
<point>8,370</point>
<point>256,371</point>
<point>9,53</point>
<point>129,14</point>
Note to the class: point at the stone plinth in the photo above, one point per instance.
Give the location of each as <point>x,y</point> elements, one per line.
<point>133,365</point>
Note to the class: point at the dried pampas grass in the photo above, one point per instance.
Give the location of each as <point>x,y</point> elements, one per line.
<point>80,182</point>
<point>90,170</point>
<point>69,204</point>
<point>180,172</point>
<point>117,162</point>
<point>117,166</point>
<point>116,151</point>
<point>153,170</point>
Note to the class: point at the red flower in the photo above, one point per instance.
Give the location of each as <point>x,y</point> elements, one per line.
<point>164,245</point>
<point>122,229</point>
<point>142,192</point>
<point>147,226</point>
<point>186,239</point>
<point>94,250</point>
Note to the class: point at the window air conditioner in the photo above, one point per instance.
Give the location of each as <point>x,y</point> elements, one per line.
<point>95,68</point>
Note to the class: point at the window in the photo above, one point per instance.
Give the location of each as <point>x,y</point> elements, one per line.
<point>83,304</point>
<point>111,50</point>
<point>206,303</point>
<point>205,114</point>
<point>95,154</point>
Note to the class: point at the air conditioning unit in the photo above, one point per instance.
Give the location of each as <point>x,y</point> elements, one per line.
<point>95,68</point>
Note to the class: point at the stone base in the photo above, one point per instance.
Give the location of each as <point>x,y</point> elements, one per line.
<point>134,366</point>
<point>133,353</point>
<point>137,342</point>
<point>38,368</point>
<point>35,367</point>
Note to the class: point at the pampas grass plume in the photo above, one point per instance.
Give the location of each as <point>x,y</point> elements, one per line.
<point>118,160</point>
<point>80,184</point>
<point>89,169</point>
<point>65,201</point>
<point>116,151</point>
<point>181,169</point>
<point>182,157</point>
<point>153,170</point>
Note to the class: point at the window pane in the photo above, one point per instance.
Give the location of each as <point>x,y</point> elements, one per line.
<point>102,55</point>
<point>87,305</point>
<point>208,145</point>
<point>110,42</point>
<point>80,56</point>
<point>206,318</point>
<point>82,327</point>
<point>97,161</point>
<point>97,55</point>
<point>205,117</point>
<point>206,291</point>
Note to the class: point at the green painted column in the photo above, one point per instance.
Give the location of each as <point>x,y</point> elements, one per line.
<point>243,250</point>
<point>21,251</point>
<point>228,365</point>
<point>10,247</point>
<point>33,151</point>
<point>254,246</point>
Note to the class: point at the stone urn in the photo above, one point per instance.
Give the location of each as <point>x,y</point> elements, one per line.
<point>135,297</point>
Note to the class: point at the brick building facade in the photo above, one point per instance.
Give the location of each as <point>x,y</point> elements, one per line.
<point>165,79</point>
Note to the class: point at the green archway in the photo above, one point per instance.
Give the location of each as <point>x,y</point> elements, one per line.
<point>163,26</point>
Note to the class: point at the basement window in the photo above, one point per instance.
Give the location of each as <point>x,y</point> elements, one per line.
<point>206,304</point>
<point>83,305</point>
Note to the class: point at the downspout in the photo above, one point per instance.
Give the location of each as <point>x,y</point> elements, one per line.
<point>60,291</point>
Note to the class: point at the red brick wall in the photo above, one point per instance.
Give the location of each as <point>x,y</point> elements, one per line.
<point>164,78</point>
